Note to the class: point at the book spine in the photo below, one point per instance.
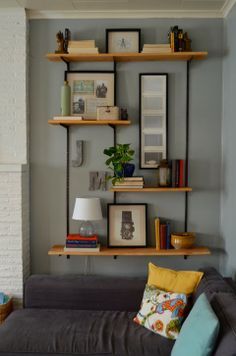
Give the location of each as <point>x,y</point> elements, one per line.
<point>168,235</point>
<point>181,173</point>
<point>157,233</point>
<point>177,173</point>
<point>81,243</point>
<point>163,236</point>
<point>173,172</point>
<point>81,246</point>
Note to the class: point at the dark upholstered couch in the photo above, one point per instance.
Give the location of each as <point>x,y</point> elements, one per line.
<point>91,315</point>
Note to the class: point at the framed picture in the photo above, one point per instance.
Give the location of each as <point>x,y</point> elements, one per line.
<point>123,40</point>
<point>127,225</point>
<point>153,89</point>
<point>90,90</point>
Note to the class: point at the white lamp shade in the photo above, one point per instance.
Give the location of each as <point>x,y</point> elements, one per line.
<point>87,209</point>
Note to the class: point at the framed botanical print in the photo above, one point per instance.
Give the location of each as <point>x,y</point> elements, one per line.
<point>123,40</point>
<point>90,90</point>
<point>127,225</point>
<point>153,88</point>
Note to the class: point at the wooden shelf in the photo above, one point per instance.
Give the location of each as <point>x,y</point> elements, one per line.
<point>152,189</point>
<point>58,250</point>
<point>126,57</point>
<point>89,122</point>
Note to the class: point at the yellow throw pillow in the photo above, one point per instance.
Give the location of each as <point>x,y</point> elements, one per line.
<point>173,281</point>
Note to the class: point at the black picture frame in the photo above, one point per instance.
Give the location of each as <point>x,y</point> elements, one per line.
<point>136,31</point>
<point>96,76</point>
<point>123,221</point>
<point>141,75</point>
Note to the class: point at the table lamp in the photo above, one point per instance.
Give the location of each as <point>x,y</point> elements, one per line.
<point>87,209</point>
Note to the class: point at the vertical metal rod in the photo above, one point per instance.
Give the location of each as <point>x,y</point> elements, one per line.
<point>67,178</point>
<point>187,148</point>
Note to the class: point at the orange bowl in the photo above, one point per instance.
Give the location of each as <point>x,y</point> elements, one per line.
<point>183,240</point>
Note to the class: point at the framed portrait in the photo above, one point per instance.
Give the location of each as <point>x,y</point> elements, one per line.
<point>153,91</point>
<point>127,225</point>
<point>90,90</point>
<point>123,40</point>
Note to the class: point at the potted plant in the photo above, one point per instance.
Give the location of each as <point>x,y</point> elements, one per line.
<point>118,161</point>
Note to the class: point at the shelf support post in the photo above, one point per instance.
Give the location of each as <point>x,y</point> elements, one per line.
<point>67,127</point>
<point>67,64</point>
<point>187,144</point>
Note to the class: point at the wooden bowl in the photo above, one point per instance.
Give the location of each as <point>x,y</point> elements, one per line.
<point>183,240</point>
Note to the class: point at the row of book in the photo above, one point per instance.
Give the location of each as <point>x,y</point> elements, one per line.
<point>179,40</point>
<point>178,176</point>
<point>157,48</point>
<point>162,234</point>
<point>130,182</point>
<point>82,47</point>
<point>76,242</point>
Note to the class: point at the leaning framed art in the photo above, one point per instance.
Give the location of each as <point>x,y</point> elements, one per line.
<point>89,90</point>
<point>127,225</point>
<point>124,40</point>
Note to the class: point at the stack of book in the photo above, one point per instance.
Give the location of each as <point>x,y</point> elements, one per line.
<point>76,242</point>
<point>178,178</point>
<point>130,182</point>
<point>82,47</point>
<point>156,48</point>
<point>162,234</point>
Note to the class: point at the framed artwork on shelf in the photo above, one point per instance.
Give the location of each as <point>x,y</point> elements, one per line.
<point>153,91</point>
<point>123,40</point>
<point>89,90</point>
<point>127,225</point>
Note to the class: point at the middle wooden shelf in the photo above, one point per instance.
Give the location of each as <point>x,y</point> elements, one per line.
<point>152,189</point>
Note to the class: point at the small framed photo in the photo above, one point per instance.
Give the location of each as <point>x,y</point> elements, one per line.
<point>90,90</point>
<point>127,225</point>
<point>123,40</point>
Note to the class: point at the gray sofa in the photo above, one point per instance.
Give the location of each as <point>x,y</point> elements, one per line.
<point>93,315</point>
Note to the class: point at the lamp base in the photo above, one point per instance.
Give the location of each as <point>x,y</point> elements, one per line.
<point>86,229</point>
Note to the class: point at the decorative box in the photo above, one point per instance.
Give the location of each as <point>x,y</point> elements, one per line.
<point>107,113</point>
<point>5,309</point>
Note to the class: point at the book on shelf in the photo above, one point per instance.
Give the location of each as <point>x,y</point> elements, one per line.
<point>157,233</point>
<point>178,173</point>
<point>162,234</point>
<point>130,182</point>
<point>81,243</point>
<point>80,249</point>
<point>83,50</point>
<point>82,44</point>
<point>75,118</point>
<point>156,45</point>
<point>156,48</point>
<point>78,237</point>
<point>133,179</point>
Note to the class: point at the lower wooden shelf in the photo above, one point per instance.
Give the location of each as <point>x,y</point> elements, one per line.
<point>58,250</point>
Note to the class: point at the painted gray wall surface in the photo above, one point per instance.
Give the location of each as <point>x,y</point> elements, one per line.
<point>228,204</point>
<point>48,150</point>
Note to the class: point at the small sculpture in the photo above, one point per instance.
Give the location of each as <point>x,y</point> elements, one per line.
<point>60,43</point>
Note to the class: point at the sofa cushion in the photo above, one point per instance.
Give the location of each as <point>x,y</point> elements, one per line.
<point>77,332</point>
<point>173,281</point>
<point>199,331</point>
<point>162,312</point>
<point>83,292</point>
<point>224,305</point>
<point>212,282</point>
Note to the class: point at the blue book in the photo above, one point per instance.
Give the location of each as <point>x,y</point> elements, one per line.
<point>168,235</point>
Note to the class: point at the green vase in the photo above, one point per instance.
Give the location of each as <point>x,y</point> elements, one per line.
<point>65,99</point>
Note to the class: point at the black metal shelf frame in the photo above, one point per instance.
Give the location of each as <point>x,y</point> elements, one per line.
<point>67,127</point>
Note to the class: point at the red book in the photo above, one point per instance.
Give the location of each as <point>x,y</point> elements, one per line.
<point>78,237</point>
<point>181,173</point>
<point>163,233</point>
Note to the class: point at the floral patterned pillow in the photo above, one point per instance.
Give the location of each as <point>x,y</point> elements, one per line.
<point>162,312</point>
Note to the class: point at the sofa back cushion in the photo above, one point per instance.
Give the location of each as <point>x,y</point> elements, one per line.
<point>224,305</point>
<point>83,292</point>
<point>212,282</point>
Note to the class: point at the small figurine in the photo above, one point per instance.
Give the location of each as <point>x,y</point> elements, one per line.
<point>60,43</point>
<point>187,43</point>
<point>123,114</point>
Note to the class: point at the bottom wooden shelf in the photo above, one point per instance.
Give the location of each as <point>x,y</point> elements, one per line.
<point>58,250</point>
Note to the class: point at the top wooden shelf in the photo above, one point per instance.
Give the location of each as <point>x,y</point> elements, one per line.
<point>89,122</point>
<point>126,57</point>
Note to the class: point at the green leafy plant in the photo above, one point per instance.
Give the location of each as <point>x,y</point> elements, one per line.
<point>118,155</point>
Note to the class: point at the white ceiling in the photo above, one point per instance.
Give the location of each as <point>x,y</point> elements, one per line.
<point>120,8</point>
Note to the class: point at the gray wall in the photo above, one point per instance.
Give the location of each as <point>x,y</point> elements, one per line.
<point>48,151</point>
<point>228,262</point>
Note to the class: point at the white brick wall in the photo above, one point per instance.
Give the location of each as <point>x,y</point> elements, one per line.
<point>14,172</point>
